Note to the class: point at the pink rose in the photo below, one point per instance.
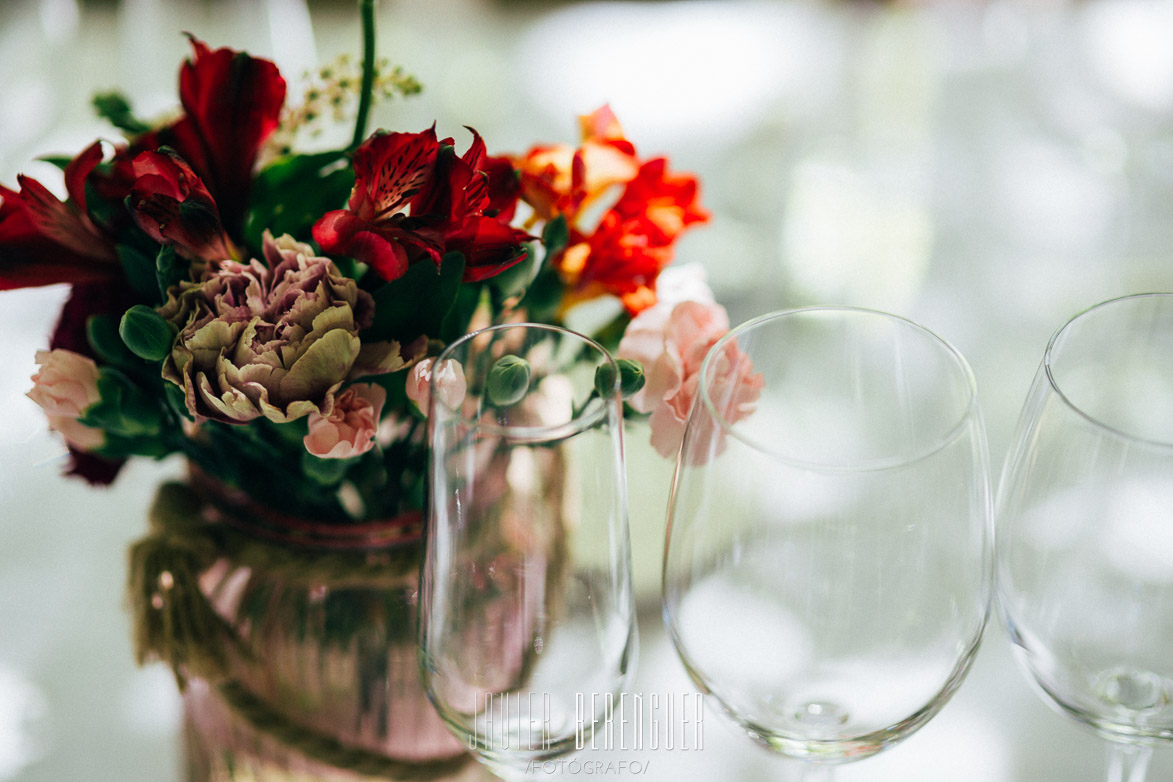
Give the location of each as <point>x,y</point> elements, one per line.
<point>350,428</point>
<point>77,434</point>
<point>671,344</point>
<point>66,385</point>
<point>450,383</point>
<point>733,392</point>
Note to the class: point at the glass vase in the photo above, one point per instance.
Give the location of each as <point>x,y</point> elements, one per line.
<point>294,643</point>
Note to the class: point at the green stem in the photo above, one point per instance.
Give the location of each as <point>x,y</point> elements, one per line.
<point>367,8</point>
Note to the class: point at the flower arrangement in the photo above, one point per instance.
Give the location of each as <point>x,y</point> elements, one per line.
<point>272,315</point>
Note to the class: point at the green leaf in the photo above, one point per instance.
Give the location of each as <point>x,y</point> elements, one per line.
<point>293,193</point>
<point>517,277</point>
<point>555,235</point>
<point>176,400</point>
<point>170,269</point>
<point>123,409</point>
<point>544,295</point>
<point>146,333</point>
<point>327,472</point>
<point>417,302</point>
<point>610,335</point>
<point>115,108</point>
<point>118,447</point>
<point>455,323</point>
<point>102,334</point>
<point>140,272</point>
<point>351,268</point>
<point>110,215</point>
<point>61,161</point>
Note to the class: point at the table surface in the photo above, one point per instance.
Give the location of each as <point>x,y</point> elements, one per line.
<point>986,169</point>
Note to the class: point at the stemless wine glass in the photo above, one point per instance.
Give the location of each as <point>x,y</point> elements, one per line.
<point>527,613</point>
<point>1085,527</point>
<point>828,567</point>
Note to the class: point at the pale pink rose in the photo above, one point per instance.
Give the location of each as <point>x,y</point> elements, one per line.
<point>645,337</point>
<point>450,382</point>
<point>671,346</point>
<point>66,385</point>
<point>350,428</point>
<point>733,390</point>
<point>77,434</point>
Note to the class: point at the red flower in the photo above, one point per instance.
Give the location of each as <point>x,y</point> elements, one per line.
<point>504,188</point>
<point>415,200</point>
<point>633,242</point>
<point>44,240</point>
<point>621,257</point>
<point>624,251</point>
<point>232,103</point>
<point>560,180</point>
<point>172,205</point>
<point>667,201</point>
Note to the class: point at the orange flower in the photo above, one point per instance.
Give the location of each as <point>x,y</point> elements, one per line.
<point>622,252</point>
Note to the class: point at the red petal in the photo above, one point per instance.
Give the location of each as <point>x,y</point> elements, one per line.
<point>333,230</point>
<point>58,222</point>
<point>78,170</point>
<point>28,258</point>
<point>474,158</point>
<point>387,258</point>
<point>390,169</point>
<point>106,297</point>
<point>172,205</point>
<point>94,470</point>
<point>232,103</point>
<point>489,247</point>
<point>504,187</point>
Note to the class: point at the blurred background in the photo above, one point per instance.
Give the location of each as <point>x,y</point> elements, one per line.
<point>985,168</point>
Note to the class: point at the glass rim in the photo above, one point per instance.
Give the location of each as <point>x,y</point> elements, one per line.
<point>1049,356</point>
<point>590,415</point>
<point>969,410</point>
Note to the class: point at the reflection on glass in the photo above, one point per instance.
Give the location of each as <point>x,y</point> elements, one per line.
<point>1084,534</point>
<point>827,569</point>
<point>527,618</point>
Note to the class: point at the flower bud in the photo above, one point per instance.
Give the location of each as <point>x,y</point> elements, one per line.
<point>508,381</point>
<point>605,379</point>
<point>146,333</point>
<point>631,377</point>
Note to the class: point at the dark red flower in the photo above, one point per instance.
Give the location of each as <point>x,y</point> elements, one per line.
<point>489,246</point>
<point>172,205</point>
<point>94,470</point>
<point>390,170</point>
<point>232,103</point>
<point>44,240</point>
<point>459,194</point>
<point>414,199</point>
<point>504,188</point>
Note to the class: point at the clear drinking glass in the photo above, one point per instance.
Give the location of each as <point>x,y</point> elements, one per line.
<point>828,566</point>
<point>1085,527</point>
<point>527,612</point>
